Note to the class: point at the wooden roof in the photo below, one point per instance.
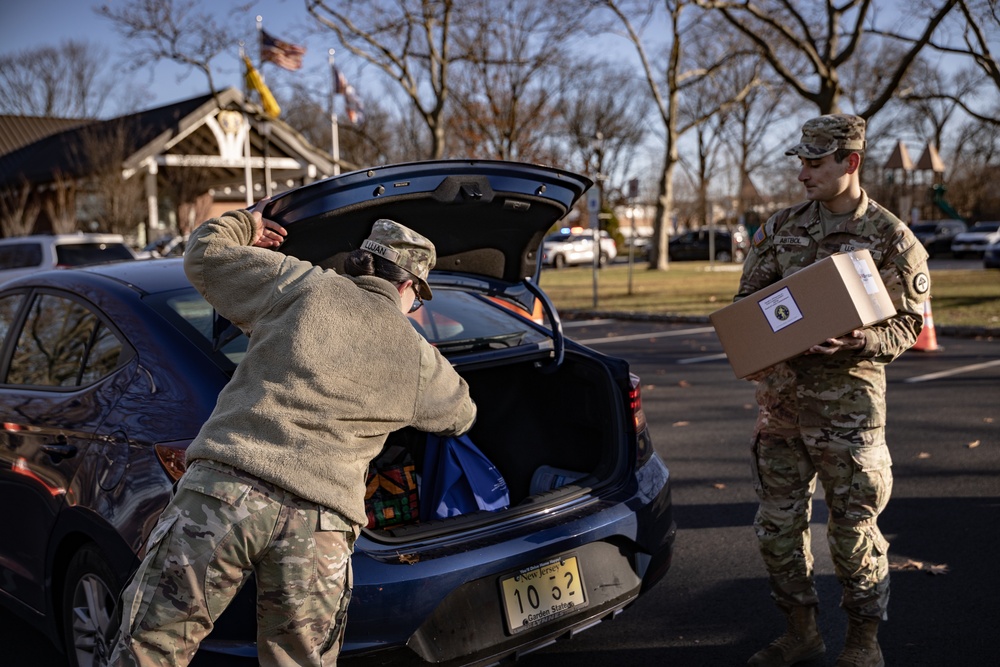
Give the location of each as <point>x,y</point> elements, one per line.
<point>185,133</point>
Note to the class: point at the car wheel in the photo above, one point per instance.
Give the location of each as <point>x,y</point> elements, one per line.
<point>89,610</point>
<point>602,259</point>
<point>558,261</point>
<point>723,256</point>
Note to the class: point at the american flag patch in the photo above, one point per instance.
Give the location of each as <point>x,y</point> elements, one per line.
<point>759,236</point>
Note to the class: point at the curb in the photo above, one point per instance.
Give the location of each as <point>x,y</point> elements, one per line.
<point>636,316</point>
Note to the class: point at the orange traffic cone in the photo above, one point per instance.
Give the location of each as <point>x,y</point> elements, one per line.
<point>927,340</point>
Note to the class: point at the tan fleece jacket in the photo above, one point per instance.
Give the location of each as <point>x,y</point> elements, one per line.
<point>332,368</point>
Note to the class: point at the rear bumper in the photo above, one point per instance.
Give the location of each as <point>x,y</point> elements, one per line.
<point>449,611</point>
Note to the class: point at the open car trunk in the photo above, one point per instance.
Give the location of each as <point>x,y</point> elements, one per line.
<point>551,435</point>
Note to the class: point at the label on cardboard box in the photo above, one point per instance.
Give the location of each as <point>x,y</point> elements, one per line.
<point>780,309</point>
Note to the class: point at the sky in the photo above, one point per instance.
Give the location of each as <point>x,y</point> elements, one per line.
<point>26,24</point>
<point>32,23</point>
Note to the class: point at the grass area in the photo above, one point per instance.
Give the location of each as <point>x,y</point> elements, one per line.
<point>960,298</point>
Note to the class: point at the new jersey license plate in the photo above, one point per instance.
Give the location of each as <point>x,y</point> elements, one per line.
<point>542,593</point>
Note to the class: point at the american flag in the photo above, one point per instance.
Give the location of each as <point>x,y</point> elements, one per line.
<point>339,82</point>
<point>281,53</point>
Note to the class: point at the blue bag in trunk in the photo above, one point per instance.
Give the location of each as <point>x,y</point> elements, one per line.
<point>458,479</point>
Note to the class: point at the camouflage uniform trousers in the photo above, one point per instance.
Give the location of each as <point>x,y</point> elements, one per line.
<point>854,467</point>
<point>221,525</point>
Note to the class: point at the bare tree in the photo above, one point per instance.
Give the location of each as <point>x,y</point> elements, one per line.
<point>972,186</point>
<point>182,31</point>
<point>60,204</point>
<point>931,101</point>
<point>746,131</point>
<point>18,209</point>
<point>69,81</point>
<point>602,132</point>
<point>108,199</point>
<point>979,39</point>
<point>823,37</point>
<point>666,89</point>
<point>505,84</point>
<point>380,138</point>
<point>408,40</point>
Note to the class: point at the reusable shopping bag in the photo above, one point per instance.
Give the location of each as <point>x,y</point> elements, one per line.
<point>458,479</point>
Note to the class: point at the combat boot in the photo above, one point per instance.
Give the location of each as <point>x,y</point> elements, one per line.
<point>861,648</point>
<point>800,642</point>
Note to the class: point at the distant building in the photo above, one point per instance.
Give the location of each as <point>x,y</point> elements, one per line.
<point>150,173</point>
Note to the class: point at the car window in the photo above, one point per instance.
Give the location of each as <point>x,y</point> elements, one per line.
<point>81,254</point>
<point>20,255</point>
<point>454,320</point>
<point>195,318</point>
<point>9,306</point>
<point>457,321</point>
<point>63,344</point>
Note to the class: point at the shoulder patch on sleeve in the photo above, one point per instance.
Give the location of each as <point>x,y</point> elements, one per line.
<point>759,236</point>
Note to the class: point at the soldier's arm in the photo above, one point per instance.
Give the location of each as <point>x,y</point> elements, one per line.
<point>905,275</point>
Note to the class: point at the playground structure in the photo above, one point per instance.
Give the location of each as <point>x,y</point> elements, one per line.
<point>918,189</point>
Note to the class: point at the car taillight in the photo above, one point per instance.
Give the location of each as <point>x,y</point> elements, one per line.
<point>644,447</point>
<point>172,456</point>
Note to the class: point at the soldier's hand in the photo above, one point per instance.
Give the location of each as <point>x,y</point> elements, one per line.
<point>267,233</point>
<point>852,341</point>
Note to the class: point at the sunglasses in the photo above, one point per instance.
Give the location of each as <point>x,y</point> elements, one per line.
<point>417,301</point>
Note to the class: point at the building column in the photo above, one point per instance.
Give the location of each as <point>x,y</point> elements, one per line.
<point>152,204</point>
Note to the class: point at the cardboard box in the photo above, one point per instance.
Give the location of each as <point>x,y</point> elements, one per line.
<point>825,300</point>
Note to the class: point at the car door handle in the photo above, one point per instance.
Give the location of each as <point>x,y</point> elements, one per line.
<point>61,449</point>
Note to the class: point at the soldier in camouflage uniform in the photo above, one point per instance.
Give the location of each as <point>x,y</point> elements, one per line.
<point>822,414</point>
<point>275,478</point>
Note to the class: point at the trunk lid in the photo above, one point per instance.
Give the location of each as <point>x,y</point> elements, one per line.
<point>486,218</point>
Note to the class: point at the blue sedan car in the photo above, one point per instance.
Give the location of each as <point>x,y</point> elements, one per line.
<point>107,373</point>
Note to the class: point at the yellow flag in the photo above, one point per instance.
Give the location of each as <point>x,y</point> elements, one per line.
<point>254,80</point>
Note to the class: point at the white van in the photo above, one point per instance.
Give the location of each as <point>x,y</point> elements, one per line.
<point>21,255</point>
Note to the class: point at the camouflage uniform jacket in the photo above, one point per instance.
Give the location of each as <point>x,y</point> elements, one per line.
<point>843,390</point>
<point>331,369</point>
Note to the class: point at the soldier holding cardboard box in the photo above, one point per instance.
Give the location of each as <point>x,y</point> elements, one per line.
<point>822,414</point>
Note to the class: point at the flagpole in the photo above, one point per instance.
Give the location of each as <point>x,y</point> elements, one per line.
<point>264,122</point>
<point>334,129</point>
<point>247,176</point>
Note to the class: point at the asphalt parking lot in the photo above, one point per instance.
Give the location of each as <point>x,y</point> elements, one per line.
<point>713,607</point>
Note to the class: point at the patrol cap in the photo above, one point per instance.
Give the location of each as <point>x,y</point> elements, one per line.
<point>826,135</point>
<point>405,248</point>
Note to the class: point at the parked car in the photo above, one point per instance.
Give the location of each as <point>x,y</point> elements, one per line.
<point>575,245</point>
<point>639,246</point>
<point>107,373</point>
<point>991,256</point>
<point>730,246</point>
<point>165,246</point>
<point>937,235</point>
<point>974,241</point>
<point>20,255</point>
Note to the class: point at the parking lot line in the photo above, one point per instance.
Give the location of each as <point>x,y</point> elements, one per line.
<point>656,334</point>
<point>701,360</point>
<point>953,371</point>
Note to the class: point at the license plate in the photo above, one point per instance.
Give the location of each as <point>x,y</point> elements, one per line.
<point>542,593</point>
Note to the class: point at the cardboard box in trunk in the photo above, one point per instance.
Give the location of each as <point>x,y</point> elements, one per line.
<point>824,300</point>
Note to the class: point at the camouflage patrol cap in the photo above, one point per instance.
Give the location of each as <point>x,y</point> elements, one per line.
<point>405,248</point>
<point>826,135</point>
